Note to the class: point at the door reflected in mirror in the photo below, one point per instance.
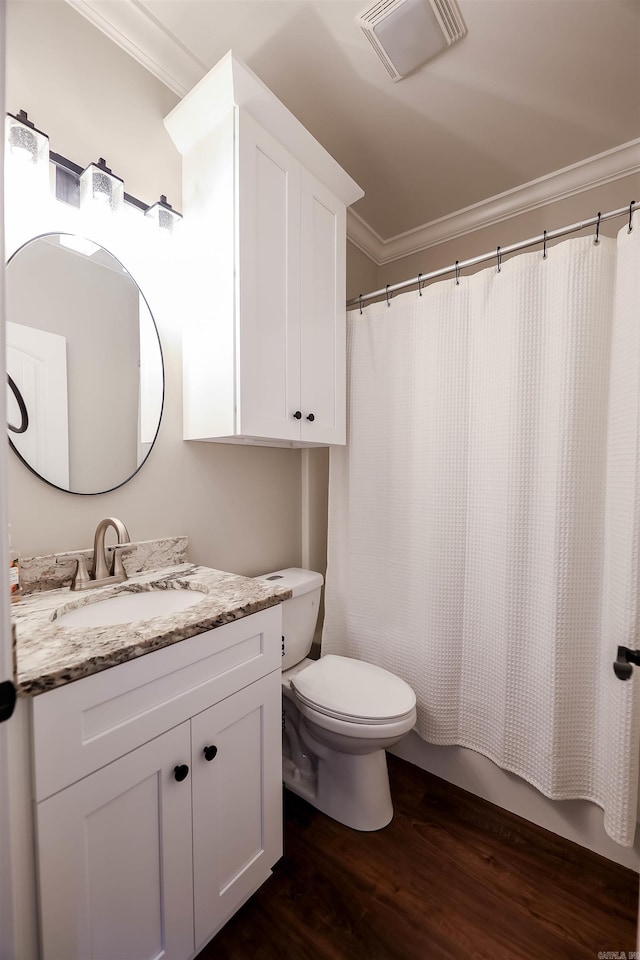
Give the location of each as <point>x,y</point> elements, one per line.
<point>85,385</point>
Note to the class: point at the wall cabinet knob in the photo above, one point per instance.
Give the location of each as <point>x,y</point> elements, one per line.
<point>311,417</point>
<point>297,415</point>
<point>210,752</point>
<point>181,772</point>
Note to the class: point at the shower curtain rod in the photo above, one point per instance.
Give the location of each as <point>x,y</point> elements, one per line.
<point>500,252</point>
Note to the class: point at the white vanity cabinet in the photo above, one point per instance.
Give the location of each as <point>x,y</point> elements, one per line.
<point>265,238</point>
<point>147,855</point>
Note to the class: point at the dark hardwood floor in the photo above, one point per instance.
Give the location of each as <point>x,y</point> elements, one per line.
<point>451,878</point>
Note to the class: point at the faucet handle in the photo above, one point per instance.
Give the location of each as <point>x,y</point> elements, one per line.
<point>118,566</point>
<point>81,576</point>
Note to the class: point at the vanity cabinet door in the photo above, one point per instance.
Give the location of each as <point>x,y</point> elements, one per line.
<point>237,800</point>
<point>115,859</point>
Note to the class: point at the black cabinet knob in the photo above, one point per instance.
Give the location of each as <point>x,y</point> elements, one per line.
<point>311,417</point>
<point>297,415</point>
<point>181,772</point>
<point>210,752</point>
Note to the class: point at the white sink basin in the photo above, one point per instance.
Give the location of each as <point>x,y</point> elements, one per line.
<point>129,607</point>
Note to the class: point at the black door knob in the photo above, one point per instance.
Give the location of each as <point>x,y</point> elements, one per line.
<point>210,752</point>
<point>297,415</point>
<point>181,772</point>
<point>311,417</point>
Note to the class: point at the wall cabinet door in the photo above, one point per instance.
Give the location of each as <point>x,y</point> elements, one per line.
<point>291,306</point>
<point>237,800</point>
<point>268,304</point>
<point>115,859</point>
<point>322,314</point>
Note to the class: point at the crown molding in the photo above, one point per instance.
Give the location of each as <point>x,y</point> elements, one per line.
<point>614,164</point>
<point>365,237</point>
<point>132,27</point>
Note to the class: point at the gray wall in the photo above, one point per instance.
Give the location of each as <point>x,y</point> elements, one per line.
<point>239,505</point>
<point>362,273</point>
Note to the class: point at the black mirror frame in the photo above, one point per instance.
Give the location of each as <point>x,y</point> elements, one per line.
<point>22,405</point>
<point>24,416</point>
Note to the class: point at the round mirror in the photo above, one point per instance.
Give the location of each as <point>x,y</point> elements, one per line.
<point>85,378</point>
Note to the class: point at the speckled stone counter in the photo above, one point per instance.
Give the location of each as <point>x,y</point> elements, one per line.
<point>49,655</point>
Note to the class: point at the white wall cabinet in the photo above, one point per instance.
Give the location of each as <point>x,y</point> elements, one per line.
<point>149,855</point>
<point>265,237</point>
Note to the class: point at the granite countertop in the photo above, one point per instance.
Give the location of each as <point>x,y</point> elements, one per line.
<point>48,655</point>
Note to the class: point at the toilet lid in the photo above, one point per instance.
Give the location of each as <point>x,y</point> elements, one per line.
<point>353,690</point>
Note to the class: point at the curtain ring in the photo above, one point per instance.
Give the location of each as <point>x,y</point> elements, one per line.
<point>499,256</point>
<point>457,273</point>
<point>544,246</point>
<point>419,289</point>
<point>597,239</point>
<point>631,206</point>
<point>360,302</point>
<point>388,297</point>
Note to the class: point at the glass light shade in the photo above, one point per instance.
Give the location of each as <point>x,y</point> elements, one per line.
<point>26,177</point>
<point>25,144</point>
<point>163,215</point>
<point>100,189</point>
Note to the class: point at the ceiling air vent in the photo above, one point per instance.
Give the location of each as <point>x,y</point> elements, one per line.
<point>407,33</point>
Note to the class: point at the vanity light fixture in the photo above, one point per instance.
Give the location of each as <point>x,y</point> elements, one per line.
<point>25,143</point>
<point>94,188</point>
<point>100,188</point>
<point>163,215</point>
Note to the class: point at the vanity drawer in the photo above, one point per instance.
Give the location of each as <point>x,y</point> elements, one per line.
<point>84,725</point>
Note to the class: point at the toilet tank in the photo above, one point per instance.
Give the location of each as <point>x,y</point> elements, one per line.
<point>300,613</point>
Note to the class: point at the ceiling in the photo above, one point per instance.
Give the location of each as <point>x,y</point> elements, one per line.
<point>535,86</point>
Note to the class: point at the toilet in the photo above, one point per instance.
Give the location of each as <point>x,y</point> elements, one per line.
<point>339,716</point>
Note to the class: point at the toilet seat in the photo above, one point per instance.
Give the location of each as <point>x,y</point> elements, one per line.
<point>353,691</point>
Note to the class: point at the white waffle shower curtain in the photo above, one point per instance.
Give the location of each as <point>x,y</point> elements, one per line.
<point>484,518</point>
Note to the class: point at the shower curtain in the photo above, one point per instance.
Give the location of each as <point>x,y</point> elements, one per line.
<point>484,516</point>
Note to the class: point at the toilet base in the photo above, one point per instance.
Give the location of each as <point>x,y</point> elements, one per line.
<point>305,787</point>
<point>354,790</point>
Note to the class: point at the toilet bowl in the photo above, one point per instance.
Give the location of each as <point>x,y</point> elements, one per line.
<point>339,717</point>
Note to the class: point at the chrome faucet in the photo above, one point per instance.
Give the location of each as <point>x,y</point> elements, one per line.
<point>101,572</point>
